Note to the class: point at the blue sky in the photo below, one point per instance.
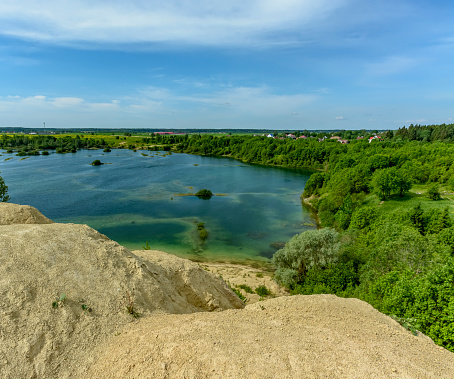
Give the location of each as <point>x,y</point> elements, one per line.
<point>287,64</point>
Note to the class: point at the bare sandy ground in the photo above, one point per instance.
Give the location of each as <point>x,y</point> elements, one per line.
<point>74,304</point>
<point>236,275</point>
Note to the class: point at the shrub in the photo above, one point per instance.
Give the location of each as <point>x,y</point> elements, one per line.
<point>312,248</point>
<point>4,197</point>
<point>96,162</point>
<point>434,193</point>
<point>262,291</point>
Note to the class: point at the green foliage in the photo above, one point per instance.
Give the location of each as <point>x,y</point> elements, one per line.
<point>96,162</point>
<point>246,288</point>
<point>59,301</point>
<point>262,291</point>
<point>433,192</point>
<point>427,299</point>
<point>340,279</point>
<point>363,218</point>
<point>4,197</point>
<point>407,323</point>
<point>203,233</point>
<point>312,248</point>
<point>386,181</point>
<point>129,305</point>
<point>204,194</point>
<point>239,294</point>
<point>314,182</point>
<point>146,246</point>
<point>84,306</point>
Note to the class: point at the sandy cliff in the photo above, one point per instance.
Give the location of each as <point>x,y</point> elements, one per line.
<point>182,331</point>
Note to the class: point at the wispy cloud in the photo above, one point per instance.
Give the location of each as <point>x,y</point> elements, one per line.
<point>14,103</point>
<point>165,105</point>
<point>259,101</point>
<point>204,22</point>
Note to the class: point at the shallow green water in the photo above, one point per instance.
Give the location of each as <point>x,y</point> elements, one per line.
<point>133,200</point>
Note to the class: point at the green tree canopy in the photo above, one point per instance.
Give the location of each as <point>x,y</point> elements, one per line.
<point>312,248</point>
<point>3,191</point>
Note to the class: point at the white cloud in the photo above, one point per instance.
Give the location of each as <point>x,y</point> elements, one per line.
<point>41,103</point>
<point>340,118</point>
<point>259,102</point>
<point>67,101</point>
<point>204,22</point>
<point>246,106</point>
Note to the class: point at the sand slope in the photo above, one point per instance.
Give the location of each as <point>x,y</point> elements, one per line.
<point>178,335</point>
<point>39,262</point>
<point>319,336</point>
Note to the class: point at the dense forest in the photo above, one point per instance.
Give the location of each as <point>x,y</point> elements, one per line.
<point>384,204</point>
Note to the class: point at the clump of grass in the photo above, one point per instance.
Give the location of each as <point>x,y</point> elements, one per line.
<point>129,305</point>
<point>59,301</point>
<point>262,291</point>
<point>407,323</point>
<point>246,288</point>
<point>84,306</point>
<point>239,294</point>
<point>259,275</point>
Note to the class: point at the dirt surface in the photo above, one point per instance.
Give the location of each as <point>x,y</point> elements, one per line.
<point>319,336</point>
<point>239,275</point>
<point>65,290</point>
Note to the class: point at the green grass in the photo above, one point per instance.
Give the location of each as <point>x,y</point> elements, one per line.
<point>418,194</point>
<point>246,288</point>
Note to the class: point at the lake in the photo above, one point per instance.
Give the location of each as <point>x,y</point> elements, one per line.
<point>134,198</point>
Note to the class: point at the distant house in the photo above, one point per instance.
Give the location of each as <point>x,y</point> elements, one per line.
<point>343,141</point>
<point>292,136</point>
<point>335,137</point>
<point>374,137</point>
<point>270,135</point>
<point>361,137</point>
<point>304,137</point>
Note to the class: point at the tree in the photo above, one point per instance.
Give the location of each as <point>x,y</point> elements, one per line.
<point>434,193</point>
<point>310,249</point>
<point>313,184</point>
<point>4,197</point>
<point>388,180</point>
<point>383,182</point>
<point>403,182</point>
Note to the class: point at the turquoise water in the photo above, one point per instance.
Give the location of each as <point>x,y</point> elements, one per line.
<point>133,198</point>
